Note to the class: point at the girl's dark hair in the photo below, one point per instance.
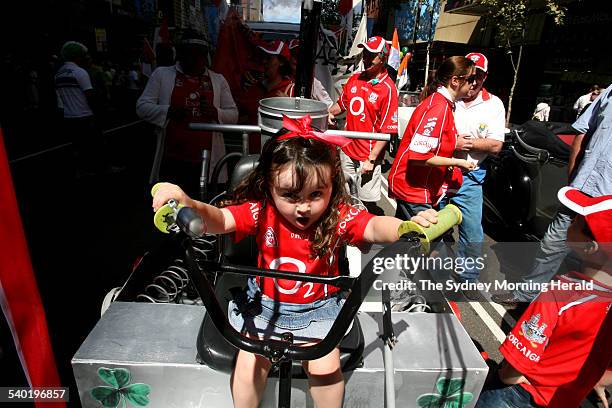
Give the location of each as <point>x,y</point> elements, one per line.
<point>308,158</point>
<point>450,67</point>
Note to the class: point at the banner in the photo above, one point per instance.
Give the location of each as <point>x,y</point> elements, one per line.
<point>19,297</point>
<point>406,19</point>
<point>236,57</point>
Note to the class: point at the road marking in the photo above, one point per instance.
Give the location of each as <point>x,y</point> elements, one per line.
<point>480,311</point>
<point>30,156</point>
<point>488,320</point>
<point>385,191</point>
<point>500,310</point>
<point>61,146</point>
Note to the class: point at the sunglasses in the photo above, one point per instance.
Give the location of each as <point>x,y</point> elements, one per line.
<point>470,79</point>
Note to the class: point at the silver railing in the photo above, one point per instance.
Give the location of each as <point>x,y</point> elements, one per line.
<point>246,129</point>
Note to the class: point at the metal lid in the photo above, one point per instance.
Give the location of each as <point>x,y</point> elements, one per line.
<point>293,105</point>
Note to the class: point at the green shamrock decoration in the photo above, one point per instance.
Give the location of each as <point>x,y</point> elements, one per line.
<point>450,395</point>
<point>118,379</point>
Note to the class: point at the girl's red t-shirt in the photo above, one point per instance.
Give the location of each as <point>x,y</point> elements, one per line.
<point>284,247</point>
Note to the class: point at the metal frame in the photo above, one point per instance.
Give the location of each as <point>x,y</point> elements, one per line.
<point>284,352</point>
<point>246,129</point>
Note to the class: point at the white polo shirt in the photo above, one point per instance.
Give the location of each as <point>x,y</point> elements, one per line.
<point>484,117</point>
<point>71,82</point>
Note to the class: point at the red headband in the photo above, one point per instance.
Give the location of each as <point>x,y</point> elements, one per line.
<point>300,127</point>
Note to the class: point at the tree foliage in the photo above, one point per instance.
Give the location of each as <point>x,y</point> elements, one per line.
<point>510,17</point>
<point>329,13</point>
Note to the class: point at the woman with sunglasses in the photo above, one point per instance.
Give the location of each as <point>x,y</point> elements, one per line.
<point>424,163</point>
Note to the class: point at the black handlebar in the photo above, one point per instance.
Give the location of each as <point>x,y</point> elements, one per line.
<point>277,350</point>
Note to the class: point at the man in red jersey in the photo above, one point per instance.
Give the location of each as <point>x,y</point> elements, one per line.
<point>370,99</point>
<point>562,345</point>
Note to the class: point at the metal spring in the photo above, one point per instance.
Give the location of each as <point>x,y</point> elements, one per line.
<point>172,284</point>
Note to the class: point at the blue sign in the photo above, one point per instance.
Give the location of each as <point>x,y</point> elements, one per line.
<point>406,19</point>
<point>145,9</point>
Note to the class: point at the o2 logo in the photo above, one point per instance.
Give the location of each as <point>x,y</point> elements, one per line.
<point>358,100</point>
<point>301,267</point>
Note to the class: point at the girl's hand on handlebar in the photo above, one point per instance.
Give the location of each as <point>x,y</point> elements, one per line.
<point>426,218</point>
<point>166,192</point>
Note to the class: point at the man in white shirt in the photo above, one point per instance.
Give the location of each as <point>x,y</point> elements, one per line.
<point>76,94</point>
<point>585,99</point>
<point>480,123</point>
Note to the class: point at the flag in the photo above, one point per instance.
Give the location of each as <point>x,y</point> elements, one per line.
<point>148,55</point>
<point>237,58</point>
<point>19,297</point>
<point>164,33</point>
<point>164,52</point>
<point>402,72</point>
<point>361,36</point>
<point>394,55</point>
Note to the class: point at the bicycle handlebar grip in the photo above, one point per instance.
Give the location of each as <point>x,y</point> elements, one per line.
<point>448,217</point>
<point>154,189</point>
<point>190,222</point>
<point>165,217</point>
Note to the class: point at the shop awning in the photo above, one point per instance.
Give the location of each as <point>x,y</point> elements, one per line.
<point>457,28</point>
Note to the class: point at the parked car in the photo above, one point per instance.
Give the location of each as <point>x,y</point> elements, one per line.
<point>520,192</point>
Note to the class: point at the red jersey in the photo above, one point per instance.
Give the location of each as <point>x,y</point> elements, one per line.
<point>430,132</point>
<point>284,247</point>
<point>191,93</point>
<point>371,106</point>
<point>553,342</point>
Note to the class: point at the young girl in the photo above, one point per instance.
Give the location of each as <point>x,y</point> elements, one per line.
<point>424,158</point>
<point>296,205</point>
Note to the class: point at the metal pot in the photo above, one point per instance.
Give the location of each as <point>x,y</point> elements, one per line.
<point>271,110</point>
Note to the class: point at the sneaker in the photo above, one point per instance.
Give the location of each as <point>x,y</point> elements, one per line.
<point>508,300</point>
<point>473,295</point>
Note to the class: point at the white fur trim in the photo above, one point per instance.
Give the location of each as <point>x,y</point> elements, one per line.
<point>591,209</point>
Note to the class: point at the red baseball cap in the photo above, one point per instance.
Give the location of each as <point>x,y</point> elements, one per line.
<point>597,211</point>
<point>276,47</point>
<point>375,44</point>
<point>480,61</point>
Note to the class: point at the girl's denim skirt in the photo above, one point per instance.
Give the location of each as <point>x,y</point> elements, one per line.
<point>262,317</point>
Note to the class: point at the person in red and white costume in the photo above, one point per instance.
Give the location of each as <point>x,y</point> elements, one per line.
<point>277,81</point>
<point>424,160</point>
<point>561,347</point>
<point>296,205</point>
<point>370,100</point>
